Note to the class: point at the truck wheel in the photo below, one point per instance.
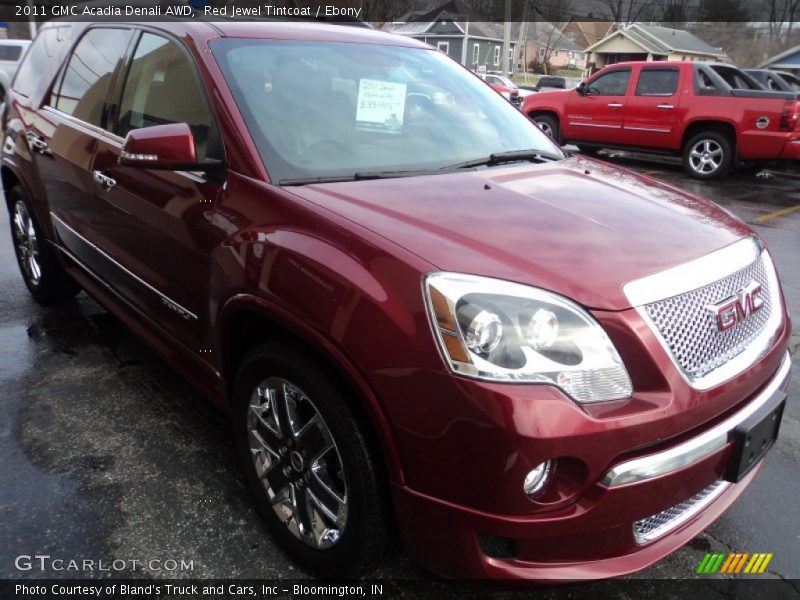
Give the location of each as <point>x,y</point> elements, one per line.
<point>44,276</point>
<point>308,464</point>
<point>549,125</point>
<point>708,155</point>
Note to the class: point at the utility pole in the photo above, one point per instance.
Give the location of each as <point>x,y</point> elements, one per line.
<point>507,38</point>
<point>32,20</point>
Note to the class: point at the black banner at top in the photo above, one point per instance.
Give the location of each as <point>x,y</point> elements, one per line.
<point>422,11</point>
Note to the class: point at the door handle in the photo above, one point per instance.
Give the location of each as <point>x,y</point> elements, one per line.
<point>615,104</point>
<point>665,106</point>
<point>104,180</point>
<point>37,142</point>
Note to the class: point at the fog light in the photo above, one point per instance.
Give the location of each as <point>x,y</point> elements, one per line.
<point>535,480</point>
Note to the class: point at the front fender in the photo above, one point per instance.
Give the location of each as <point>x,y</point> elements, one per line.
<point>300,328</point>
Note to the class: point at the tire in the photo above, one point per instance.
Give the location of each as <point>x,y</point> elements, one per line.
<point>708,155</point>
<point>549,126</point>
<point>288,386</point>
<point>45,278</point>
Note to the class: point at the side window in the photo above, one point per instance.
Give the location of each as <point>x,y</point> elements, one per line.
<point>10,52</point>
<point>657,82</point>
<point>89,72</point>
<point>614,83</point>
<point>43,50</point>
<point>161,88</point>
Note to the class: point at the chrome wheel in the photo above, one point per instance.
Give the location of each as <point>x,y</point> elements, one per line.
<point>297,462</point>
<point>26,242</point>
<point>546,128</point>
<point>706,157</point>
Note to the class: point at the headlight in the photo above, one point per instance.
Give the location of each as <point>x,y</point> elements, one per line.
<point>501,331</point>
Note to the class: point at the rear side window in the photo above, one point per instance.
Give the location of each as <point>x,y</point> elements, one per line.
<point>613,83</point>
<point>162,87</point>
<point>42,51</point>
<point>657,82</point>
<point>10,52</point>
<point>89,72</point>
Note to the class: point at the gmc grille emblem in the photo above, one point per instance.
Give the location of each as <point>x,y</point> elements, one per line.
<point>732,311</point>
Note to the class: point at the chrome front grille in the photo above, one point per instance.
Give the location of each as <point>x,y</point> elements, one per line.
<point>689,328</point>
<point>653,527</point>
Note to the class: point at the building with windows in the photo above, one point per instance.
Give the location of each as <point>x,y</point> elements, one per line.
<point>546,43</point>
<point>651,43</point>
<point>476,45</point>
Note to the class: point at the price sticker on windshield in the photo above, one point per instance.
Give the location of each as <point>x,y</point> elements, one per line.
<point>381,105</point>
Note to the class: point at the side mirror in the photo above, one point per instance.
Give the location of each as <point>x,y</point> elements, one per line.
<point>581,89</point>
<point>167,147</point>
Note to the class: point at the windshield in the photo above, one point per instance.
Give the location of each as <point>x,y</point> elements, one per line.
<point>331,109</point>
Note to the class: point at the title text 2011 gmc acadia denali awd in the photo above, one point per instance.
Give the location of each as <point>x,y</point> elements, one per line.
<point>417,309</point>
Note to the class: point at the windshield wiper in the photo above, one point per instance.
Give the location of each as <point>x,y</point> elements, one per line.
<point>504,157</point>
<point>493,159</point>
<point>358,176</point>
<point>308,180</point>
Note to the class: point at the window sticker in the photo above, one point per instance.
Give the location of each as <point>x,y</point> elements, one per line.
<point>381,105</point>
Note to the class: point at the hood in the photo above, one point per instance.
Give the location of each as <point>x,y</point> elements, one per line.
<point>579,227</point>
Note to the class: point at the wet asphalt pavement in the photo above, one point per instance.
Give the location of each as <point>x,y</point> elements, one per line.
<point>106,454</point>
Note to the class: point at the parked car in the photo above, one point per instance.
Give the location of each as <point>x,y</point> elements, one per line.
<point>552,82</point>
<point>775,80</point>
<point>504,86</point>
<point>11,52</point>
<point>417,313</point>
<point>667,107</point>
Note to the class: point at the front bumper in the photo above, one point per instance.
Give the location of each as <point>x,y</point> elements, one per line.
<point>596,535</point>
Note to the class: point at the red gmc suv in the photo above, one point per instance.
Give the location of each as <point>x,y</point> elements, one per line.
<point>417,310</point>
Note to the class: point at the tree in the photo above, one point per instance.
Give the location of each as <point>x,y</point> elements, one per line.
<point>626,12</point>
<point>728,11</point>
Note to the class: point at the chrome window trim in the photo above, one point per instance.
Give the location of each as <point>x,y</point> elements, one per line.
<point>115,138</point>
<point>675,458</point>
<point>699,273</point>
<point>82,123</point>
<point>169,302</point>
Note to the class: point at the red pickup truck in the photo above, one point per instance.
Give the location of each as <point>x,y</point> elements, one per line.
<point>713,115</point>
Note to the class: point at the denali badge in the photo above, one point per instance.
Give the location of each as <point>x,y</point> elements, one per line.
<point>736,309</point>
